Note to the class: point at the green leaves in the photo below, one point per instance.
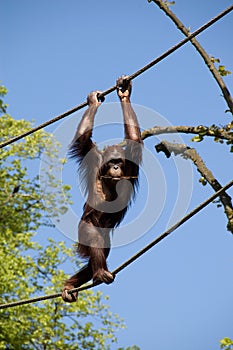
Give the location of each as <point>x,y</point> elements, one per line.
<point>3,92</point>
<point>221,69</point>
<point>197,138</point>
<point>218,134</point>
<point>203,181</point>
<point>223,72</point>
<point>28,269</point>
<point>226,344</point>
<point>202,131</point>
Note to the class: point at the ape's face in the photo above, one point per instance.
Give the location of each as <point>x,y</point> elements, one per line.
<point>113,162</point>
<point>115,167</point>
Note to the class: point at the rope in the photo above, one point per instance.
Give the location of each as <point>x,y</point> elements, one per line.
<point>134,257</point>
<point>131,77</point>
<point>118,178</point>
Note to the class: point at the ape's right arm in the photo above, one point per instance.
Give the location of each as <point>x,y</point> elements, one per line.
<point>82,142</point>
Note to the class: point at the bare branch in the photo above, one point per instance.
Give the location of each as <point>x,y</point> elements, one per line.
<point>220,133</point>
<point>191,153</point>
<point>207,59</point>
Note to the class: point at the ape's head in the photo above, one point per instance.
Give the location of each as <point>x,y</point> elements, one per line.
<point>113,162</point>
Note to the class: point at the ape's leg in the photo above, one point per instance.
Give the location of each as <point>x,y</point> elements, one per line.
<point>94,243</point>
<point>96,248</point>
<point>96,269</point>
<point>80,278</point>
<point>98,262</point>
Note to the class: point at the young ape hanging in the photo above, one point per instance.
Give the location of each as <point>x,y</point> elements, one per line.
<point>111,178</point>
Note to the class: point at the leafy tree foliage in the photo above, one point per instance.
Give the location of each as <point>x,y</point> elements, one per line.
<point>28,269</point>
<point>226,344</point>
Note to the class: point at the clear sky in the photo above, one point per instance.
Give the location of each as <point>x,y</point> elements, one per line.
<point>179,295</point>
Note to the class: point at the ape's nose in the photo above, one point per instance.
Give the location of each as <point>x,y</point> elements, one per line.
<point>116,167</point>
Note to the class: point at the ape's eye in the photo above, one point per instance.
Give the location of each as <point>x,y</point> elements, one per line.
<point>116,161</point>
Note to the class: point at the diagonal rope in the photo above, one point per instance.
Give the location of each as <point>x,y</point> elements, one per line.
<point>131,77</point>
<point>134,257</point>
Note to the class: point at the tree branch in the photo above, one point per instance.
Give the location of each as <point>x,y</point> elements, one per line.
<point>212,131</point>
<point>207,59</point>
<point>191,153</point>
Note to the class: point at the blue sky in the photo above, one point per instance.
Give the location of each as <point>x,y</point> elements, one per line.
<point>179,295</point>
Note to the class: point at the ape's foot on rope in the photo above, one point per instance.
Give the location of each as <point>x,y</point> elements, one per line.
<point>103,276</point>
<point>69,297</point>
